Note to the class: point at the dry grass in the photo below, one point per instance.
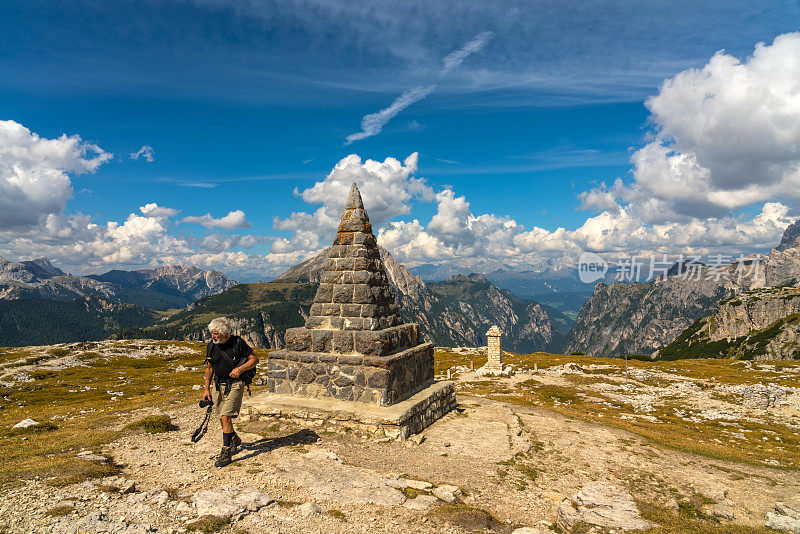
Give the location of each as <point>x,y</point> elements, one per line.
<point>85,406</point>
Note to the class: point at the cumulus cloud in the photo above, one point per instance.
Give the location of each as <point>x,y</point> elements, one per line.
<point>154,210</point>
<point>373,123</point>
<point>232,221</point>
<point>388,187</point>
<point>34,173</point>
<point>726,136</point>
<point>146,153</point>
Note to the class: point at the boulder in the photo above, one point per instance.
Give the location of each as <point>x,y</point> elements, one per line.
<point>784,517</point>
<point>229,500</point>
<point>601,504</point>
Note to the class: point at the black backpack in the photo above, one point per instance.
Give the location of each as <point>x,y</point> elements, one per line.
<point>247,376</point>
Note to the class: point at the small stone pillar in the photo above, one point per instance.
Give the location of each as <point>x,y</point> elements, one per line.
<point>494,349</point>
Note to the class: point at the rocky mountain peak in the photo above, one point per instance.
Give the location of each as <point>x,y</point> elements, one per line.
<point>789,238</point>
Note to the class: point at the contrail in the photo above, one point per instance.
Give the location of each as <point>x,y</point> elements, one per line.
<point>373,123</point>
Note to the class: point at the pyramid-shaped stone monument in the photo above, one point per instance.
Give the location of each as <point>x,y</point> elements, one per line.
<point>354,346</point>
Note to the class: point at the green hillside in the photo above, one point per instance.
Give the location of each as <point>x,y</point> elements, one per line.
<point>278,304</point>
<point>40,321</point>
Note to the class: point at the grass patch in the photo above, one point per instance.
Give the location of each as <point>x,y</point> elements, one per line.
<point>208,523</point>
<point>33,429</point>
<point>685,522</point>
<point>153,424</point>
<point>337,514</point>
<point>60,511</point>
<point>80,472</point>
<point>467,517</point>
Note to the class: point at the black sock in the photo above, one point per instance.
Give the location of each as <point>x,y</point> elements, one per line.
<point>226,439</point>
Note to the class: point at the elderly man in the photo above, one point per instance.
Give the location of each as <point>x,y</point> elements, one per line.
<point>227,358</point>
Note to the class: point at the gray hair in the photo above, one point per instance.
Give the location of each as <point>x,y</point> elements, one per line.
<point>221,325</point>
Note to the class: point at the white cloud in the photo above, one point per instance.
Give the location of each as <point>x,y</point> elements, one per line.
<point>373,123</point>
<point>232,221</point>
<point>727,136</point>
<point>454,59</point>
<point>387,188</point>
<point>34,180</point>
<point>154,210</point>
<point>146,152</point>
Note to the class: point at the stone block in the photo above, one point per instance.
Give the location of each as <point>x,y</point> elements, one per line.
<point>354,226</point>
<point>321,340</point>
<point>338,251</point>
<point>353,323</point>
<point>330,278</point>
<point>378,379</point>
<point>370,310</point>
<point>324,293</point>
<point>343,341</point>
<point>344,238</point>
<point>351,310</point>
<point>363,238</point>
<point>316,309</point>
<point>343,264</point>
<point>306,375</point>
<point>298,339</point>
<point>328,309</point>
<point>351,359</point>
<point>363,294</point>
<point>343,293</point>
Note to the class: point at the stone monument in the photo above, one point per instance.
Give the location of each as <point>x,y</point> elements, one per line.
<point>354,349</point>
<point>494,353</point>
<point>494,349</point>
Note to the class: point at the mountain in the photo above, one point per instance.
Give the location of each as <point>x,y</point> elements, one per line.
<point>162,288</point>
<point>261,313</point>
<point>175,286</point>
<point>758,324</point>
<point>457,312</point>
<point>42,321</point>
<point>641,318</point>
<point>473,304</point>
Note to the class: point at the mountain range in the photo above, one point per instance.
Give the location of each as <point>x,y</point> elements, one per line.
<point>642,318</point>
<point>79,308</point>
<point>459,310</point>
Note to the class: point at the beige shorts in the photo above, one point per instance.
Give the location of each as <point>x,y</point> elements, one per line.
<point>230,404</point>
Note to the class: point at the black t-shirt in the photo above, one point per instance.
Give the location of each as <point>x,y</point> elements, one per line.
<point>236,349</point>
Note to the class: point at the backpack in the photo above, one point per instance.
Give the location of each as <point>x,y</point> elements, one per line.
<point>247,376</point>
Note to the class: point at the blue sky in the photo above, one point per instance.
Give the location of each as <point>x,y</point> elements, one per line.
<point>248,104</point>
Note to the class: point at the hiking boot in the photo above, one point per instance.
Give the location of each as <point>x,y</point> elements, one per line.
<point>224,457</point>
<point>236,442</point>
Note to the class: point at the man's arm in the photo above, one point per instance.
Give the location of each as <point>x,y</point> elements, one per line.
<point>209,373</point>
<point>252,361</point>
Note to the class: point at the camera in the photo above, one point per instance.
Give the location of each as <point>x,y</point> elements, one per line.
<point>206,403</point>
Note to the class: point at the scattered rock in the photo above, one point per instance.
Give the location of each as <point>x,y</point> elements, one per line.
<point>417,439</point>
<point>25,423</point>
<point>308,509</point>
<point>92,457</point>
<point>721,510</point>
<point>784,517</point>
<point>601,504</point>
<point>446,492</point>
<point>421,502</point>
<point>403,483</point>
<point>229,500</point>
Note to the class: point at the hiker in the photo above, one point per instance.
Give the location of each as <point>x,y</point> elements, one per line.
<point>231,362</point>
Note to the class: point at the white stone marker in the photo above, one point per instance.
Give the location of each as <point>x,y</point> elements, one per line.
<point>494,349</point>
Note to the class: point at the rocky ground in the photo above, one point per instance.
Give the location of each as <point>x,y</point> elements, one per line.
<point>496,465</point>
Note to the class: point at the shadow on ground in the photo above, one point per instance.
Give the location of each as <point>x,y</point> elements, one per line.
<point>301,437</point>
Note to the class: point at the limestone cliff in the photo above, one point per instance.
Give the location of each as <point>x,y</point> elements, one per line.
<point>762,323</point>
<point>641,318</point>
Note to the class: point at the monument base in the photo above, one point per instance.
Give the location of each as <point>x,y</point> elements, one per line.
<point>398,421</point>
